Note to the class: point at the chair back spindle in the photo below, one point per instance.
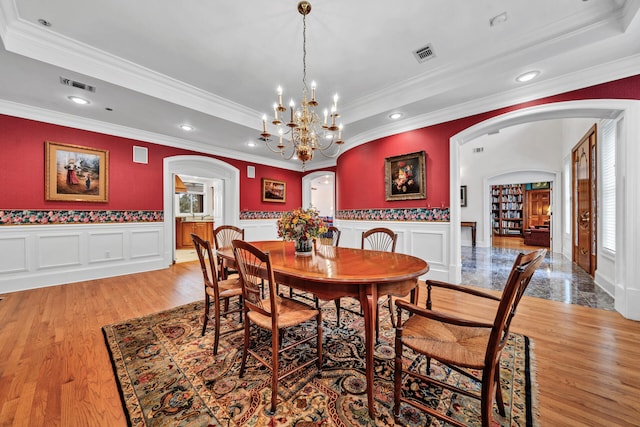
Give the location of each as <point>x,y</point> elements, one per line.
<point>379,239</point>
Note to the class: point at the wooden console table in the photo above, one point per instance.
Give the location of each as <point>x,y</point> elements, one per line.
<point>472,225</point>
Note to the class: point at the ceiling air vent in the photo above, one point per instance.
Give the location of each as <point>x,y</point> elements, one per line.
<point>424,53</point>
<point>68,82</point>
<point>478,149</point>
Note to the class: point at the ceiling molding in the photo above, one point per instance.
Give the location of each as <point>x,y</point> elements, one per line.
<point>62,119</point>
<point>30,40</point>
<point>603,73</point>
<point>444,78</point>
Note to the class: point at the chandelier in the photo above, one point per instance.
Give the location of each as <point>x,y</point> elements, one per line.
<point>303,133</point>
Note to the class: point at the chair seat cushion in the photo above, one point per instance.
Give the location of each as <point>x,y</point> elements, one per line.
<point>457,345</point>
<point>290,313</point>
<point>228,288</point>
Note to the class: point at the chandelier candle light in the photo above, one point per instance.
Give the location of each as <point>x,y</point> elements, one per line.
<point>306,132</point>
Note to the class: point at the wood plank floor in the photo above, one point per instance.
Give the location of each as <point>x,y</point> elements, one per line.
<point>55,369</point>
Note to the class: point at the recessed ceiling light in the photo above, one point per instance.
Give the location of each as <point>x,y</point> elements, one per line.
<point>251,144</point>
<point>44,22</point>
<point>186,128</point>
<point>528,76</point>
<point>395,116</point>
<point>78,100</point>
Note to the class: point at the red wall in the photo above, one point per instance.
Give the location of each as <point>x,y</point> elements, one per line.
<point>360,171</point>
<point>132,186</point>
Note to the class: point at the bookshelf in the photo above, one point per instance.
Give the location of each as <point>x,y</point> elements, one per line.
<point>507,203</point>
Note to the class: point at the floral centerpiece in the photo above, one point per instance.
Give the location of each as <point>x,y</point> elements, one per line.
<point>301,226</point>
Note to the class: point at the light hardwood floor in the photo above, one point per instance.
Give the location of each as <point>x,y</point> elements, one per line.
<point>55,369</point>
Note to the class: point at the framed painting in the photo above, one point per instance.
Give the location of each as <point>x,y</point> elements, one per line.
<point>463,196</point>
<point>274,191</point>
<point>405,177</point>
<point>75,173</point>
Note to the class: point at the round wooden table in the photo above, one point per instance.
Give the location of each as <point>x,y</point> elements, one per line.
<point>334,272</point>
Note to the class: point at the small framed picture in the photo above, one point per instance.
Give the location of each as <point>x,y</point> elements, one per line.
<point>463,196</point>
<point>76,173</point>
<point>405,177</point>
<point>274,191</point>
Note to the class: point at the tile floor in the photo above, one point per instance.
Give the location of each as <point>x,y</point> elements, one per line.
<point>557,279</point>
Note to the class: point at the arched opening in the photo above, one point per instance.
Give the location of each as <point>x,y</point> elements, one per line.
<point>626,296</point>
<point>205,167</point>
<point>318,190</point>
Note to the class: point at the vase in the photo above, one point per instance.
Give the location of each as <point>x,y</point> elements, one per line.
<point>303,247</point>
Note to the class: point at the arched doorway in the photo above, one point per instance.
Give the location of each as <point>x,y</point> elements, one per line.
<point>627,293</point>
<point>205,167</point>
<point>318,190</point>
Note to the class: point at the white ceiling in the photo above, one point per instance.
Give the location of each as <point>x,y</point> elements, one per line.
<point>215,65</point>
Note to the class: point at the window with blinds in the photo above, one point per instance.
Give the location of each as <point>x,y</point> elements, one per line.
<point>608,173</point>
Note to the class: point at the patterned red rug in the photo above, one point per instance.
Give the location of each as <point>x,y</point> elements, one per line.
<point>168,376</point>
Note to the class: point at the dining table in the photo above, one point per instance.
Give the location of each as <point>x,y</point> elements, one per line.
<point>332,272</point>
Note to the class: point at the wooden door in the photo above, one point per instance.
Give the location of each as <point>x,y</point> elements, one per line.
<point>585,202</point>
<point>538,208</point>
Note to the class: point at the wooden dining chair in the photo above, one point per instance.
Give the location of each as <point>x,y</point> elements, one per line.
<point>274,314</point>
<point>220,290</point>
<point>330,238</point>
<point>379,239</point>
<point>459,342</point>
<point>376,239</point>
<point>223,236</point>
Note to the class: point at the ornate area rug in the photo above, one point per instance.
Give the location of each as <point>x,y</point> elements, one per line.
<point>168,376</point>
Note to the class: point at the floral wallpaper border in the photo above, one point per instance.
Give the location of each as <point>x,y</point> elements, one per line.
<point>260,215</point>
<point>408,214</point>
<point>40,217</point>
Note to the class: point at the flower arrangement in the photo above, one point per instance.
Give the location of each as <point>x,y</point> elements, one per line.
<point>301,225</point>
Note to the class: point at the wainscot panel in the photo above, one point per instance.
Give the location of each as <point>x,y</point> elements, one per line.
<point>36,256</point>
<point>426,240</point>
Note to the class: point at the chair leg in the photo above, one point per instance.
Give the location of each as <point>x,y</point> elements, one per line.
<point>377,323</point>
<point>499,399</point>
<point>319,345</point>
<point>275,347</point>
<point>397,379</point>
<point>486,400</point>
<point>247,330</point>
<point>337,302</point>
<point>392,315</point>
<point>206,313</point>
<point>216,329</point>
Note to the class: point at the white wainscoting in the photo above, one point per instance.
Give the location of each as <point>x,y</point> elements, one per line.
<point>426,240</point>
<point>35,256</point>
<point>256,230</point>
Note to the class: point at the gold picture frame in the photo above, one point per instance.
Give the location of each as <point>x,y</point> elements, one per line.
<point>75,173</point>
<point>274,191</point>
<point>405,177</point>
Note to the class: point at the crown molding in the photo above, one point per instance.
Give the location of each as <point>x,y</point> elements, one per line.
<point>30,40</point>
<point>62,119</point>
<point>441,79</point>
<point>599,74</point>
